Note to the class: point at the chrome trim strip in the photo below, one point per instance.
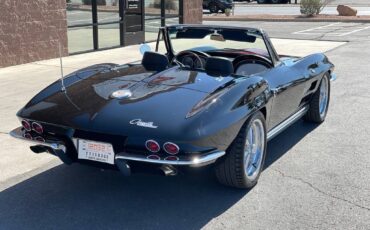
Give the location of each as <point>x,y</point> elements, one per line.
<point>197,161</point>
<point>333,77</point>
<point>18,134</point>
<point>285,124</point>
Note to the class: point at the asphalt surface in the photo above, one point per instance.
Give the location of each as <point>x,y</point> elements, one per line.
<point>315,177</point>
<point>289,10</point>
<point>331,3</point>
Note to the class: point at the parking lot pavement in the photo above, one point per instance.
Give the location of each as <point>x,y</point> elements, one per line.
<point>316,177</point>
<point>353,3</point>
<point>292,10</point>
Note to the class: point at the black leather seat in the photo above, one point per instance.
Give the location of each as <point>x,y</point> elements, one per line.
<point>153,61</point>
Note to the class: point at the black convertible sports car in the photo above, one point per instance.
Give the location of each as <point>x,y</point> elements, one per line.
<point>209,94</point>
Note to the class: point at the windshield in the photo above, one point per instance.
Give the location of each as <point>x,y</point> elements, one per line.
<point>211,39</point>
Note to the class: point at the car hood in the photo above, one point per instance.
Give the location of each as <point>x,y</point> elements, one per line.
<point>156,100</point>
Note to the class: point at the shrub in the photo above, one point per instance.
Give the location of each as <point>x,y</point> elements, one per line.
<point>228,12</point>
<point>313,7</point>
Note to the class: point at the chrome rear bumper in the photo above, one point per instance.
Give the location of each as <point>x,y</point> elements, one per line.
<point>192,161</point>
<point>60,150</point>
<point>19,134</point>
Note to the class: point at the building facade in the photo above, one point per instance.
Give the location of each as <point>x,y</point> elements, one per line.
<point>40,29</point>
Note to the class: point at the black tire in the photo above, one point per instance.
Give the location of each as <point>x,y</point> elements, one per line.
<point>313,114</point>
<point>230,170</point>
<point>262,1</point>
<point>213,8</point>
<point>275,1</point>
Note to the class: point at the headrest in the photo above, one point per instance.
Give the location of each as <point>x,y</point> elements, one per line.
<point>153,61</point>
<point>218,66</point>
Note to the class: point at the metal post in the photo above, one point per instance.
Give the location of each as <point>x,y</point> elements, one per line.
<point>94,8</point>
<point>181,11</point>
<point>122,22</point>
<point>163,13</point>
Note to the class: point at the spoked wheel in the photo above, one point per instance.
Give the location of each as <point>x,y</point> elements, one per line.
<point>320,102</point>
<point>324,97</point>
<point>243,163</point>
<point>253,150</point>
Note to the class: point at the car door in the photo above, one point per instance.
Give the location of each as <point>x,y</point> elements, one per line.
<point>288,86</point>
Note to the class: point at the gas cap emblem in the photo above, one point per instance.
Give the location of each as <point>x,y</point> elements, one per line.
<point>121,94</point>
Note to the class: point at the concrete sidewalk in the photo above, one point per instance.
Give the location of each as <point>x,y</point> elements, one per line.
<point>18,84</point>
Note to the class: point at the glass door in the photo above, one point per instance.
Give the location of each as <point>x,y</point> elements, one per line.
<point>133,19</point>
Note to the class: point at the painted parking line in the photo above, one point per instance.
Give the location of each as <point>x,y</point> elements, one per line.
<point>337,29</point>
<point>355,31</point>
<point>314,28</point>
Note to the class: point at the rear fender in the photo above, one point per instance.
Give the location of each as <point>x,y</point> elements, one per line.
<point>223,120</point>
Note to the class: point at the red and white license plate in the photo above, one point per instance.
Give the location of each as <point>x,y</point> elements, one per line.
<point>95,151</point>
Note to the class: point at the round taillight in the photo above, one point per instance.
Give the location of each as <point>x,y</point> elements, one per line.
<point>171,148</point>
<point>171,158</point>
<point>39,139</point>
<point>152,146</point>
<point>154,157</point>
<point>26,125</point>
<point>37,128</point>
<point>27,136</point>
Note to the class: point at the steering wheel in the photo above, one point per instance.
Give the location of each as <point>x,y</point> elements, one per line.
<point>193,53</point>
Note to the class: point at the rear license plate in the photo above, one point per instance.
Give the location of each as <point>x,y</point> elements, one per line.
<point>95,151</point>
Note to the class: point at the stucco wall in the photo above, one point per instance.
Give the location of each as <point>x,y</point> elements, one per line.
<point>31,30</point>
<point>193,11</point>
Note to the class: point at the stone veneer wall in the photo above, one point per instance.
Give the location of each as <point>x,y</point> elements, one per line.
<point>193,11</point>
<point>30,30</point>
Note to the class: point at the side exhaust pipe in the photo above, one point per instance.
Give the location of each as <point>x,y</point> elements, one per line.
<point>123,167</point>
<point>169,170</point>
<point>38,149</point>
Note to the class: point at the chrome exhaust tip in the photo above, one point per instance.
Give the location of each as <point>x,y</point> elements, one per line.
<point>123,167</point>
<point>169,170</point>
<point>38,149</point>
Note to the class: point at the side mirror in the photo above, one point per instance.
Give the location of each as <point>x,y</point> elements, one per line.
<point>144,48</point>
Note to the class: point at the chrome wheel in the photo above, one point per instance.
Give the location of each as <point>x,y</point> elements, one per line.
<point>324,96</point>
<point>254,149</point>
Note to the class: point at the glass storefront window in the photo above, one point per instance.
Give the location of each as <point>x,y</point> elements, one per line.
<point>80,39</point>
<point>171,8</point>
<point>78,13</point>
<point>95,24</point>
<point>109,35</point>
<point>151,29</point>
<point>108,12</point>
<point>152,9</point>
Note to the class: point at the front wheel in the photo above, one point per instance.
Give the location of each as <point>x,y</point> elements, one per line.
<point>319,104</point>
<point>275,1</point>
<point>262,1</point>
<point>244,159</point>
